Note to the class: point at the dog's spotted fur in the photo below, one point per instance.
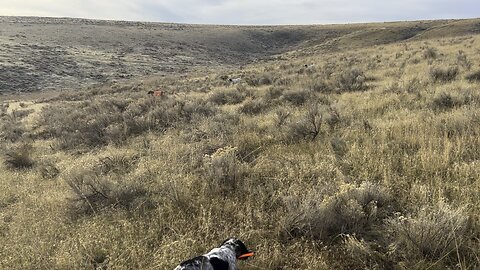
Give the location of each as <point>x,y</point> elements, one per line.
<point>221,258</point>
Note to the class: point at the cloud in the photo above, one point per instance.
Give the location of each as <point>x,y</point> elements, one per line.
<point>245,11</point>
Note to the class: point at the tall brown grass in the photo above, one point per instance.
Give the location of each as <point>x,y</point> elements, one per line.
<point>367,160</point>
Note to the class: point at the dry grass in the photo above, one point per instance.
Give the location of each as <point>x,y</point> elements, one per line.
<point>364,160</point>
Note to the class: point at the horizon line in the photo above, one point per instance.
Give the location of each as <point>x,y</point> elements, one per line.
<point>247,25</point>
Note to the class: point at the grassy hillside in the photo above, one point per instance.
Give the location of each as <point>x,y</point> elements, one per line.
<point>38,54</point>
<point>366,158</point>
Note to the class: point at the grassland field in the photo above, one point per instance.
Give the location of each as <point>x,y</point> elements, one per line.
<point>342,147</point>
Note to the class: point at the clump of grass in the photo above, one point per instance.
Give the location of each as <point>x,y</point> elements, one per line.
<point>100,188</point>
<point>281,116</point>
<point>48,170</point>
<point>224,171</point>
<point>319,85</point>
<point>20,114</point>
<point>430,53</point>
<point>353,210</point>
<point>361,254</point>
<point>11,129</point>
<point>444,101</point>
<point>463,61</point>
<point>273,93</point>
<point>118,164</point>
<point>433,233</point>
<point>249,146</point>
<point>351,80</point>
<point>19,157</point>
<point>297,97</point>
<point>443,75</point>
<point>227,96</point>
<point>107,122</point>
<point>473,77</point>
<point>308,126</point>
<point>254,106</point>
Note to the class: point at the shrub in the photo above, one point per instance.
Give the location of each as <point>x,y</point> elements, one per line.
<point>20,114</point>
<point>273,93</point>
<point>430,53</point>
<point>432,233</point>
<point>19,157</point>
<point>319,85</point>
<point>249,146</point>
<point>443,75</point>
<point>307,126</point>
<point>192,109</point>
<point>62,122</point>
<point>112,122</point>
<point>353,210</point>
<point>283,81</point>
<point>351,80</point>
<point>253,106</point>
<point>220,126</point>
<point>297,97</point>
<point>463,61</point>
<point>444,101</point>
<point>11,129</point>
<point>281,116</point>
<point>48,170</point>
<point>119,164</point>
<point>473,77</point>
<point>224,171</point>
<point>227,96</point>
<point>265,79</point>
<point>105,187</point>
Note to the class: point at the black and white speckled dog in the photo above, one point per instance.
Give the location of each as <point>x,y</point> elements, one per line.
<point>222,258</point>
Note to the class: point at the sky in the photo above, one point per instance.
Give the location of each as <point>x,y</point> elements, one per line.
<point>246,11</point>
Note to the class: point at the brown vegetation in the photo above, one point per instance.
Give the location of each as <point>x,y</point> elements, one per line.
<point>366,159</point>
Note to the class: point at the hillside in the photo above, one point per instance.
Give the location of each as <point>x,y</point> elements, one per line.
<point>38,54</point>
<point>354,149</point>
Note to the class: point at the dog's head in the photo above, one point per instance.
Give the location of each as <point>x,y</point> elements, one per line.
<point>241,251</point>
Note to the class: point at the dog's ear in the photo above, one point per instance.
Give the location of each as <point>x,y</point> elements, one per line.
<point>225,241</point>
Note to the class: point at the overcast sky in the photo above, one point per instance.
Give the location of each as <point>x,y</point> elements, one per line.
<point>246,11</point>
